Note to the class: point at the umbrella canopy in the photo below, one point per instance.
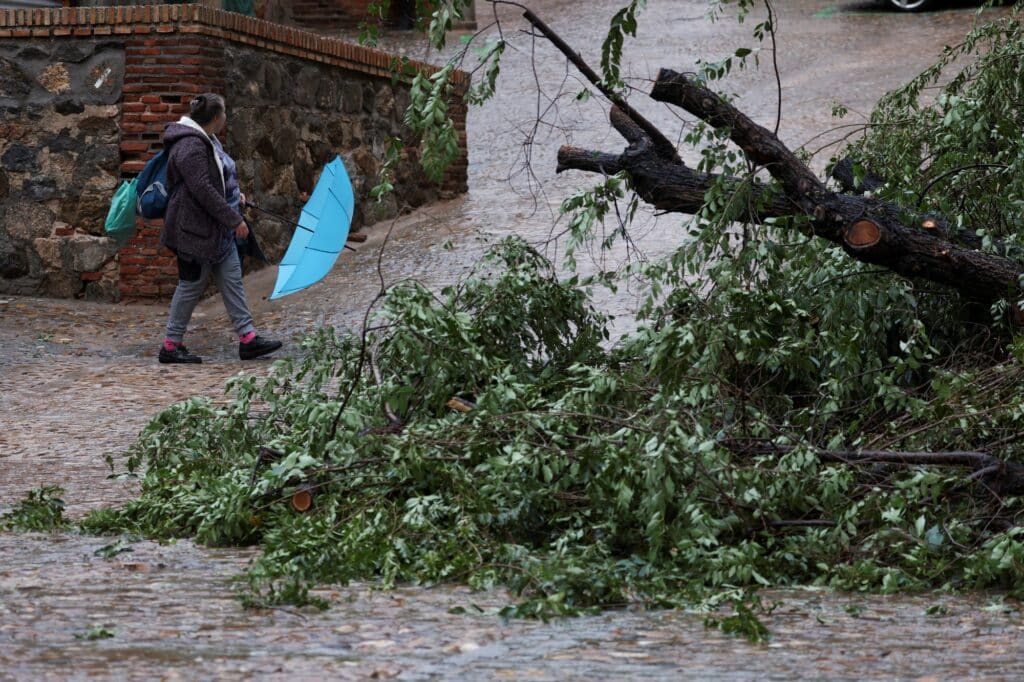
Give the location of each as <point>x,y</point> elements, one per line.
<point>320,233</point>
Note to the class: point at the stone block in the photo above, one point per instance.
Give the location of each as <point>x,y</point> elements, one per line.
<point>90,254</point>
<point>320,153</point>
<point>28,220</point>
<point>102,79</point>
<point>243,127</point>
<point>367,164</point>
<point>73,51</point>
<point>385,101</point>
<point>352,98</point>
<point>19,158</point>
<point>369,98</point>
<point>33,53</point>
<point>305,172</point>
<point>13,259</point>
<point>90,211</point>
<point>62,142</point>
<point>328,96</point>
<point>274,83</point>
<point>68,105</point>
<point>103,290</point>
<point>402,101</point>
<point>50,252</point>
<point>285,144</point>
<point>252,65</point>
<point>15,84</point>
<point>55,78</point>
<point>40,188</point>
<point>94,160</point>
<point>61,284</point>
<point>306,85</point>
<point>100,126</point>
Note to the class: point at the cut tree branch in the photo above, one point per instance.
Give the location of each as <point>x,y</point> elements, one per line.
<point>1002,476</point>
<point>668,186</point>
<point>868,230</point>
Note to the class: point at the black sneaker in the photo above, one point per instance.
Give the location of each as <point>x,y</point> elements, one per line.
<point>257,347</point>
<point>179,355</point>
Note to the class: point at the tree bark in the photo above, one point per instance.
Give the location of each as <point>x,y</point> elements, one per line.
<point>867,229</point>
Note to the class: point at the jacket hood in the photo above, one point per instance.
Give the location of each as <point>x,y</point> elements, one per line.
<point>186,127</point>
<point>182,129</point>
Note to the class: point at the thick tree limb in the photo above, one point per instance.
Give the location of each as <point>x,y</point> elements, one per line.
<point>843,173</point>
<point>675,187</point>
<point>999,475</point>
<point>759,144</point>
<point>867,230</point>
<point>668,186</point>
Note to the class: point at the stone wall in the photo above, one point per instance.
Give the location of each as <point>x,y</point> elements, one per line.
<point>59,165</point>
<point>289,117</point>
<point>85,95</point>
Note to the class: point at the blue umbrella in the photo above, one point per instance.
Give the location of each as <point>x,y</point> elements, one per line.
<point>320,233</point>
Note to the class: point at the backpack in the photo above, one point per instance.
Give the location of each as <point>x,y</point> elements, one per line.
<point>152,190</point>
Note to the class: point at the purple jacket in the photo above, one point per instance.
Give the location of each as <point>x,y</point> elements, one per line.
<point>198,219</point>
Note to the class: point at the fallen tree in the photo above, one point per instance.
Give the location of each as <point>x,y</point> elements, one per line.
<point>871,231</point>
<point>795,417</point>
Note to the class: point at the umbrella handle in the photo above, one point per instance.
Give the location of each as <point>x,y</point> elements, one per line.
<point>281,218</point>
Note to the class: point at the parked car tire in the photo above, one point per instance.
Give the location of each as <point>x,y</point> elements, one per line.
<point>910,5</point>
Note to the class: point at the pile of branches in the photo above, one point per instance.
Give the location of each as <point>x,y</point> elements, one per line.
<point>829,395</point>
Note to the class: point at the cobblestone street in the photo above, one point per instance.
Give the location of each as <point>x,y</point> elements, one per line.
<point>78,380</point>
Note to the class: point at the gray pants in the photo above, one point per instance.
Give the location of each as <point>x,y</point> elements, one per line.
<point>191,285</point>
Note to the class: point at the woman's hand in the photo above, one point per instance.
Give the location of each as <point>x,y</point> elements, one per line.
<point>241,230</point>
<point>241,196</point>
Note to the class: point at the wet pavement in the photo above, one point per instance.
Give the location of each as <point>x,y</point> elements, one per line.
<point>78,380</point>
<point>166,612</point>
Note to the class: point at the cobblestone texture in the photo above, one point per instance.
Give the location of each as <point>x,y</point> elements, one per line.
<point>78,380</point>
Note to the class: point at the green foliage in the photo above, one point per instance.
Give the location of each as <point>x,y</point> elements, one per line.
<point>434,17</point>
<point>385,184</point>
<point>490,60</point>
<point>41,510</point>
<point>96,632</point>
<point>427,116</point>
<point>677,462</point>
<point>589,475</point>
<point>623,24</point>
<point>744,622</point>
<point>588,211</point>
<point>949,141</point>
<point>113,549</point>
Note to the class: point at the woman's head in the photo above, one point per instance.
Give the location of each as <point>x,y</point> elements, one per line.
<point>208,111</point>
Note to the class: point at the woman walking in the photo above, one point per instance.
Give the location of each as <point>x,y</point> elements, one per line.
<point>200,228</point>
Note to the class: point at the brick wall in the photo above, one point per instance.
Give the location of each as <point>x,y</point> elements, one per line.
<point>173,52</point>
<point>163,71</point>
